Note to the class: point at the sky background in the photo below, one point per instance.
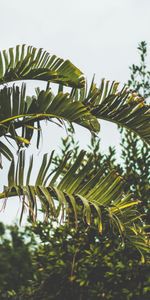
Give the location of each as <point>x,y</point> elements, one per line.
<point>98,36</point>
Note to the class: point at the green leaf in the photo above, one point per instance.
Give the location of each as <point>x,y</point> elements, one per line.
<point>125,108</point>
<point>27,62</point>
<point>19,111</point>
<point>101,200</point>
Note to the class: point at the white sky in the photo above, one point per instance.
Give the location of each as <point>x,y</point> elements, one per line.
<point>98,36</point>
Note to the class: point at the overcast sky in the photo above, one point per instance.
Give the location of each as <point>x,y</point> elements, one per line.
<point>98,36</point>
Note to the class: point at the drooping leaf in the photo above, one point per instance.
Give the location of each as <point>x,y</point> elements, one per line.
<point>125,108</point>
<point>101,199</point>
<point>19,111</point>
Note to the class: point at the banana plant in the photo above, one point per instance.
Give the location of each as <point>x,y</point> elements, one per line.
<point>102,198</point>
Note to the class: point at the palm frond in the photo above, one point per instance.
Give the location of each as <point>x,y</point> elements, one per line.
<point>26,62</point>
<point>124,107</point>
<point>20,111</point>
<point>102,198</point>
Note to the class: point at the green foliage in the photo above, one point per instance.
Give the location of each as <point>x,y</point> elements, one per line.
<point>80,263</point>
<point>67,256</point>
<point>135,153</point>
<point>140,74</point>
<point>18,110</point>
<point>124,107</point>
<point>101,196</point>
<point>27,62</point>
<point>15,260</point>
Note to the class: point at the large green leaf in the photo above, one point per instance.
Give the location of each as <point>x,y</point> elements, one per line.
<point>27,62</point>
<point>102,198</point>
<point>125,108</point>
<point>20,111</point>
